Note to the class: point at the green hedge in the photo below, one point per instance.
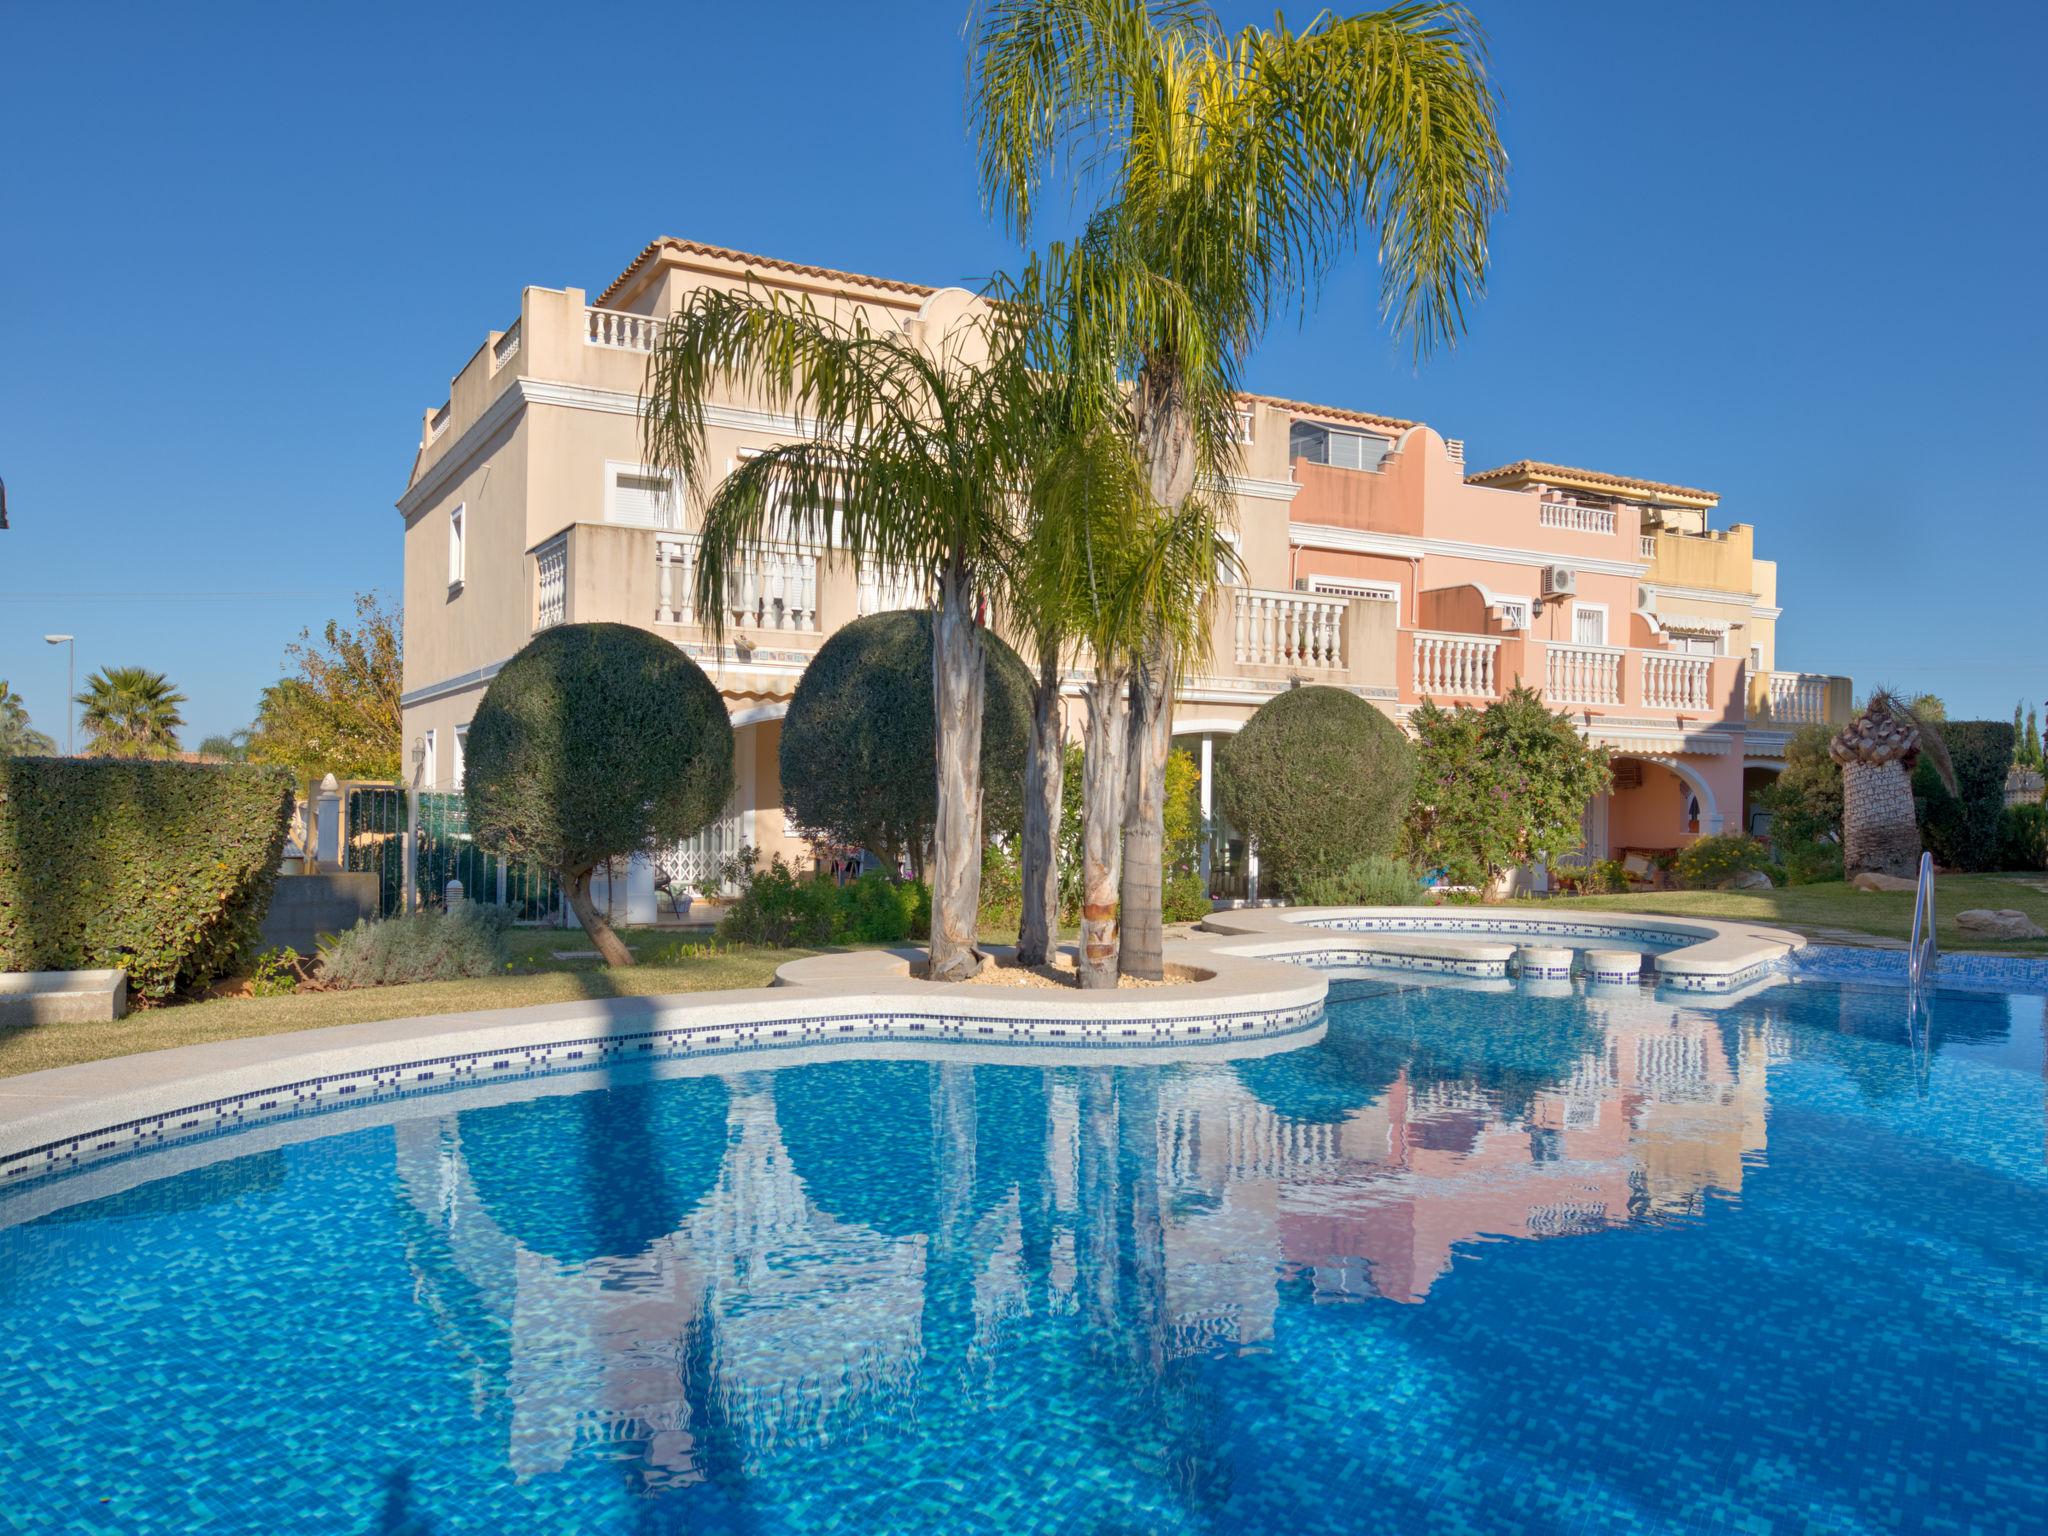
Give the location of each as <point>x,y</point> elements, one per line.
<point>2023,837</point>
<point>162,868</point>
<point>1961,830</point>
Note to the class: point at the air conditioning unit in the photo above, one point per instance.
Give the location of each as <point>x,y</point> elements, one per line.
<point>1559,581</point>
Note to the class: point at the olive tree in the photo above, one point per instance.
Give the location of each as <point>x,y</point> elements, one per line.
<point>596,740</point>
<point>860,739</point>
<point>1320,778</point>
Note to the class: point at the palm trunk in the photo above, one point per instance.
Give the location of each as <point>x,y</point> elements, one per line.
<point>576,886</point>
<point>959,670</point>
<point>1142,946</point>
<point>1102,816</point>
<point>1044,780</point>
<point>1879,830</point>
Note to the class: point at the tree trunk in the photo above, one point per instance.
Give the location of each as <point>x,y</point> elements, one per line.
<point>1142,943</point>
<point>959,672</point>
<point>576,886</point>
<point>1102,816</point>
<point>1879,830</point>
<point>1044,780</point>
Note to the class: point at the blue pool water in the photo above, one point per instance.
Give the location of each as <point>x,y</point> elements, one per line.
<point>1471,1263</point>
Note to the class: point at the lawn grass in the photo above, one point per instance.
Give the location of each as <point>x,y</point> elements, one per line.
<point>1837,905</point>
<point>669,962</point>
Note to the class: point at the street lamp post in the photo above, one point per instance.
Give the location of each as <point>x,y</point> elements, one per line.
<point>70,642</point>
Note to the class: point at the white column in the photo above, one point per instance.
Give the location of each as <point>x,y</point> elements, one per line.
<point>1208,805</point>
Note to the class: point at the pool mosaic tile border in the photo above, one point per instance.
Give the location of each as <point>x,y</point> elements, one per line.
<point>1989,973</point>
<point>445,1073</point>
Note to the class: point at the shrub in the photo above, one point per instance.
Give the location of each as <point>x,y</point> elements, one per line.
<point>1320,778</point>
<point>162,868</point>
<point>2023,837</point>
<point>1811,863</point>
<point>1805,801</point>
<point>466,940</point>
<point>1706,862</point>
<point>595,741</point>
<point>1002,887</point>
<point>1499,788</point>
<point>1184,899</point>
<point>1371,882</point>
<point>1961,829</point>
<point>275,973</point>
<point>782,908</point>
<point>859,746</point>
<point>1604,877</point>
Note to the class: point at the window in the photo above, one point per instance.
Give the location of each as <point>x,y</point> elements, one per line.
<point>1514,612</point>
<point>1589,624</point>
<point>1334,446</point>
<point>430,765</point>
<point>461,754</point>
<point>1756,658</point>
<point>639,497</point>
<point>1696,642</point>
<point>455,544</point>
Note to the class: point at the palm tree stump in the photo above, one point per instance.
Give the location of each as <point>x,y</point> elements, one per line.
<point>1877,750</point>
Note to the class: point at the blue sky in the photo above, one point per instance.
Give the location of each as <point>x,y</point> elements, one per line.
<point>1789,253</point>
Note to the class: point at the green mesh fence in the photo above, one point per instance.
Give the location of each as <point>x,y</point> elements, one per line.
<point>445,851</point>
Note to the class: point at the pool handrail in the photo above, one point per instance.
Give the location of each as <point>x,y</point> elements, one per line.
<point>1921,952</point>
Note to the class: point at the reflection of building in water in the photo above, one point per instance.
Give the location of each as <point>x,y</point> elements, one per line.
<point>822,1244</point>
<point>1376,1199</point>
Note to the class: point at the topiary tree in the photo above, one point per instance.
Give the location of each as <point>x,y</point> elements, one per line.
<point>595,740</point>
<point>1500,787</point>
<point>859,742</point>
<point>1320,778</point>
<point>1959,822</point>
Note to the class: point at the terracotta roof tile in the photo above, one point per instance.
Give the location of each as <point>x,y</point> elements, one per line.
<point>1564,474</point>
<point>771,263</point>
<point>1331,412</point>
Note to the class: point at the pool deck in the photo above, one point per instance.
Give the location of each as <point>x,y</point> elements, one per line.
<point>1264,991</point>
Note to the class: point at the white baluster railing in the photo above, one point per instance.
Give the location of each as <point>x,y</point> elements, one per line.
<point>1574,518</point>
<point>1647,545</point>
<point>1799,698</point>
<point>551,567</point>
<point>440,422</point>
<point>1672,681</point>
<point>771,586</point>
<point>886,588</point>
<point>1582,674</point>
<point>1288,629</point>
<point>1456,666</point>
<point>505,348</point>
<point>616,328</point>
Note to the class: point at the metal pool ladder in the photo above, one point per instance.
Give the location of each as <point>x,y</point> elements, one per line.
<point>1921,954</point>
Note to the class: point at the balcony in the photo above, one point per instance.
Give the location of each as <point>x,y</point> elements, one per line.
<point>771,587</point>
<point>1582,674</point>
<point>1786,700</point>
<point>1573,518</point>
<point>1448,666</point>
<point>1288,629</point>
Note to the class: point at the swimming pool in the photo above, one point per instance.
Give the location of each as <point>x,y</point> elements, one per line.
<point>1471,1261</point>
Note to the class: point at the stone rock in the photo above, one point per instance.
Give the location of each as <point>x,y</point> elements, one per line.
<point>2002,924</point>
<point>1870,880</point>
<point>1748,880</point>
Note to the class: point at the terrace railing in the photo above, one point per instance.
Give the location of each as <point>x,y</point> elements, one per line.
<point>1456,666</point>
<point>772,586</point>
<point>1582,674</point>
<point>1676,681</point>
<point>1288,629</point>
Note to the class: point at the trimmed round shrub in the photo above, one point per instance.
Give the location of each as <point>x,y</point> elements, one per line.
<point>859,744</point>
<point>596,740</point>
<point>1322,780</point>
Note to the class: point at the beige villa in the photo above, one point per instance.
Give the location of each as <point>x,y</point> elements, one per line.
<point>1374,561</point>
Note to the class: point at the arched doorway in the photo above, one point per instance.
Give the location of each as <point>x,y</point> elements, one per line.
<point>1756,777</point>
<point>1657,805</point>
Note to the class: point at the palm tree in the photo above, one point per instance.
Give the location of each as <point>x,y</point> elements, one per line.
<point>916,462</point>
<point>1235,172</point>
<point>1877,751</point>
<point>130,712</point>
<point>17,737</point>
